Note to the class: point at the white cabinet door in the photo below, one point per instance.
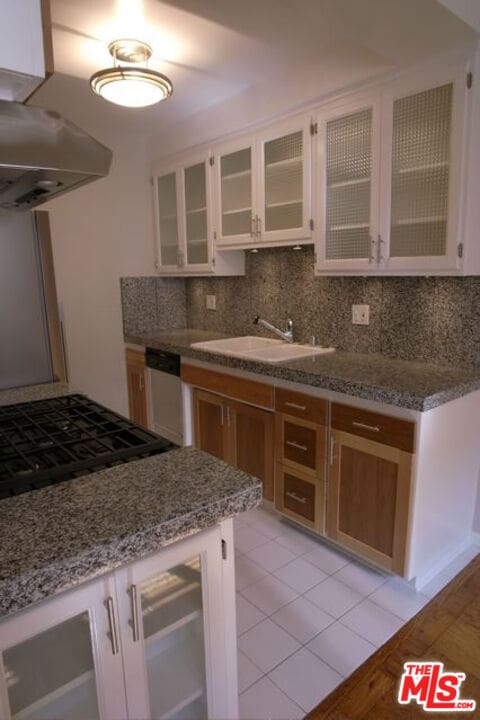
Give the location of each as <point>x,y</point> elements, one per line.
<point>422,171</point>
<point>63,659</point>
<point>346,186</point>
<point>234,182</point>
<point>284,184</point>
<point>174,641</point>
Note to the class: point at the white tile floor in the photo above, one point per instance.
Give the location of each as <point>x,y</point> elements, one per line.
<point>308,615</point>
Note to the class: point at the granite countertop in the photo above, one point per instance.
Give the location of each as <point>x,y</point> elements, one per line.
<point>56,538</point>
<point>29,393</point>
<point>413,385</point>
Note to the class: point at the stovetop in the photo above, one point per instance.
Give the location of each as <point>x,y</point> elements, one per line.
<point>49,441</point>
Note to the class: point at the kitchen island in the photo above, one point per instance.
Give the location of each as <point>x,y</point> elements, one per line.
<point>129,571</point>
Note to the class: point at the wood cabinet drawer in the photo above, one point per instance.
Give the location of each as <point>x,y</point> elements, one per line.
<point>300,497</point>
<point>374,426</point>
<point>300,405</point>
<point>233,386</point>
<point>299,444</point>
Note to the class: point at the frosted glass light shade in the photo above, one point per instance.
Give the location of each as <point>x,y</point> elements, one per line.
<point>131,87</point>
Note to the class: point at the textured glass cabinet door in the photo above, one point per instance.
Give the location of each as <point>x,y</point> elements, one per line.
<point>51,675</point>
<point>172,617</point>
<point>420,173</point>
<point>236,197</point>
<point>348,186</point>
<point>196,221</point>
<point>283,162</point>
<point>167,219</point>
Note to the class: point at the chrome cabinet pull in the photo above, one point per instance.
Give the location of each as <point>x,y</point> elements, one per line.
<point>298,498</point>
<point>332,448</point>
<point>364,426</point>
<point>112,625</point>
<point>296,445</point>
<point>295,406</point>
<point>379,248</point>
<point>133,599</point>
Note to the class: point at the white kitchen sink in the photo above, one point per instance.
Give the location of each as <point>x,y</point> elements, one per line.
<point>261,349</point>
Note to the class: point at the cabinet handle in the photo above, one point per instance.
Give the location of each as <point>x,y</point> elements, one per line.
<point>295,406</point>
<point>296,445</point>
<point>140,383</point>
<point>228,415</point>
<point>253,226</point>
<point>379,248</point>
<point>299,498</point>
<point>112,624</point>
<point>364,426</point>
<point>332,448</point>
<point>371,257</point>
<point>133,599</point>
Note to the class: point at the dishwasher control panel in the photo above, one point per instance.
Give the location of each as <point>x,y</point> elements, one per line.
<point>162,360</point>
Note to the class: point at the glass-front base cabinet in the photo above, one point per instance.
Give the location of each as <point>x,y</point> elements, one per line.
<point>154,639</point>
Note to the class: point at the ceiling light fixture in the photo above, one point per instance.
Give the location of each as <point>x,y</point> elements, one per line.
<point>127,85</point>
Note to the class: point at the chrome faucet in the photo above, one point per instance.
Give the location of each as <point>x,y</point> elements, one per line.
<point>286,335</point>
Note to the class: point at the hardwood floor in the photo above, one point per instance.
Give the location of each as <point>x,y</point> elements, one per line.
<point>447,630</point>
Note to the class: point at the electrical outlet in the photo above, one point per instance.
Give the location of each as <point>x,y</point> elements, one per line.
<point>211,302</point>
<point>361,314</point>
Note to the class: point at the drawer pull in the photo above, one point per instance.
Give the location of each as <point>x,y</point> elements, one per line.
<point>295,406</point>
<point>112,625</point>
<point>296,445</point>
<point>364,426</point>
<point>297,498</point>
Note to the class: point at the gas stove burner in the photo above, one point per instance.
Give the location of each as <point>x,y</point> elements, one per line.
<point>48,441</point>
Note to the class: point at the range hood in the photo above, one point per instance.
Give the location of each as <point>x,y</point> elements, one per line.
<point>42,155</point>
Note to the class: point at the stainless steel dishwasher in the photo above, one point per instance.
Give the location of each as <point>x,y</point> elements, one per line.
<point>166,394</point>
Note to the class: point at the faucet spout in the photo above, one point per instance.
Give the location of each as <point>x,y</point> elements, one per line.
<point>286,334</point>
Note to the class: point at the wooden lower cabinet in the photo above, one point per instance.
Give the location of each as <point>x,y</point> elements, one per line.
<point>137,386</point>
<point>368,499</point>
<point>236,432</point>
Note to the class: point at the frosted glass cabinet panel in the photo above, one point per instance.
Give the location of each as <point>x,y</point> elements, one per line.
<point>172,616</point>
<point>168,218</point>
<point>63,685</point>
<point>235,196</point>
<point>420,173</point>
<point>196,222</point>
<point>348,186</point>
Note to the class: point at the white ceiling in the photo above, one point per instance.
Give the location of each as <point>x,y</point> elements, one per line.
<point>216,49</point>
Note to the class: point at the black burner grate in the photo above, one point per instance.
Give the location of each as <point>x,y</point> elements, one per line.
<point>48,441</point>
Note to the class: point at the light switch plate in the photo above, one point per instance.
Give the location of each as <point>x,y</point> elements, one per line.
<point>211,302</point>
<point>361,314</point>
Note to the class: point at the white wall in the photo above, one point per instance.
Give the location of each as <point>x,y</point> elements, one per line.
<point>100,233</point>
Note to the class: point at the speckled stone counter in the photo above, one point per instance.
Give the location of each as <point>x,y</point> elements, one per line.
<point>58,537</point>
<point>413,385</point>
<point>30,393</point>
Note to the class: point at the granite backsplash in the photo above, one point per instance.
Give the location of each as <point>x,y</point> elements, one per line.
<point>419,318</point>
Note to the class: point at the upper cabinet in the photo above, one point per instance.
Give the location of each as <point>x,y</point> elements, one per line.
<point>383,181</point>
<point>388,171</point>
<point>184,236</point>
<point>26,53</point>
<point>262,188</point>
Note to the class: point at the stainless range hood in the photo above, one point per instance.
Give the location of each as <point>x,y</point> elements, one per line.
<point>42,155</point>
